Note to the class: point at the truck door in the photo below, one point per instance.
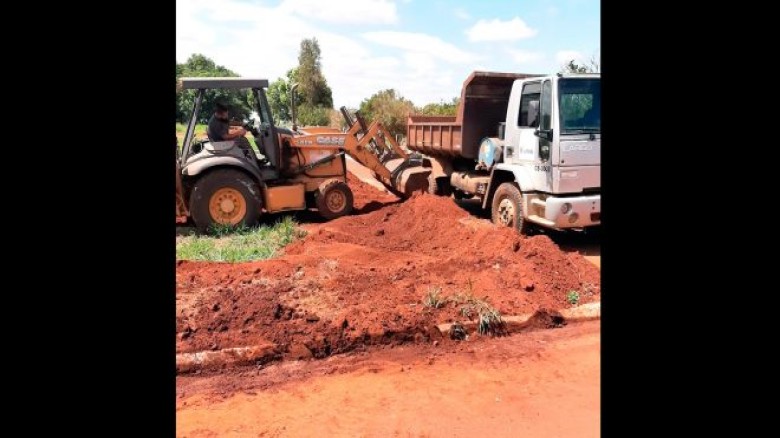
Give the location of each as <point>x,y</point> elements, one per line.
<point>527,123</point>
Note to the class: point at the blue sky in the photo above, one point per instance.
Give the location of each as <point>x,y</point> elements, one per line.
<point>422,48</point>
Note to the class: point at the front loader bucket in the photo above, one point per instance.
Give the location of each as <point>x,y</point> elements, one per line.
<point>408,176</point>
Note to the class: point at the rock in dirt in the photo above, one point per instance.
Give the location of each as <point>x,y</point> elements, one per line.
<point>299,352</point>
<point>458,332</point>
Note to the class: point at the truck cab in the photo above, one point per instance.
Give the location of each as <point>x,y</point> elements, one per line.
<point>527,146</point>
<point>552,149</point>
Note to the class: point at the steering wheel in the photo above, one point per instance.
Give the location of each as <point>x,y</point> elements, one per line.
<point>249,125</point>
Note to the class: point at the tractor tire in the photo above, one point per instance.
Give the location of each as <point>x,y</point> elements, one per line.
<point>507,208</point>
<point>226,197</point>
<point>439,186</point>
<point>333,199</point>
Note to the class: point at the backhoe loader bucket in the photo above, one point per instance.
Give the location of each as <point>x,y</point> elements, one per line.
<point>401,173</point>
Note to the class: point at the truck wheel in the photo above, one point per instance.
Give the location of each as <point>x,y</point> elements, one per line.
<point>438,186</point>
<point>333,199</point>
<point>508,208</point>
<point>227,197</point>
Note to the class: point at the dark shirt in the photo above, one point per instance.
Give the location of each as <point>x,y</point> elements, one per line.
<point>217,129</point>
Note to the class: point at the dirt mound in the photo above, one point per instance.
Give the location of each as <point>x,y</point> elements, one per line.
<point>362,280</point>
<point>366,197</point>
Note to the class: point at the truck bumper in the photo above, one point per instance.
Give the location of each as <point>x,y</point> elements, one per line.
<point>568,212</point>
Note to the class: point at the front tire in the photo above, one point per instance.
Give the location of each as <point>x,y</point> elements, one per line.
<point>333,199</point>
<point>225,197</point>
<point>507,208</point>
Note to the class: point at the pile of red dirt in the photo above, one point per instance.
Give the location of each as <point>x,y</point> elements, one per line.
<point>362,280</point>
<point>367,198</point>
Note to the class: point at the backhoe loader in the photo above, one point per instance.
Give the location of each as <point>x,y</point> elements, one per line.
<point>218,182</point>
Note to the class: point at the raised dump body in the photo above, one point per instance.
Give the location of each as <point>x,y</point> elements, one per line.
<point>483,105</point>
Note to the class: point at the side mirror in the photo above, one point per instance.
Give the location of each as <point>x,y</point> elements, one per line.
<point>546,134</point>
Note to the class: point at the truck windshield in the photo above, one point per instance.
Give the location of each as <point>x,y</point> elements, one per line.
<point>579,100</point>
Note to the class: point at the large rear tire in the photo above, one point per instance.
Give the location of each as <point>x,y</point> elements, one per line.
<point>507,208</point>
<point>225,197</point>
<point>333,199</point>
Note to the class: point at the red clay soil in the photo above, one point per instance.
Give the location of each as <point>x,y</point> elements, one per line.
<point>360,280</point>
<point>367,198</point>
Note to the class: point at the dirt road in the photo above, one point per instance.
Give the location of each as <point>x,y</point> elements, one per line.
<point>541,384</point>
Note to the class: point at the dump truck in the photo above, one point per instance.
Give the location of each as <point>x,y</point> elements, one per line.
<point>528,147</point>
<point>221,182</point>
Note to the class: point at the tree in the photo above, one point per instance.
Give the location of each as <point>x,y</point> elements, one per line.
<point>313,87</point>
<point>389,108</point>
<point>279,97</point>
<point>441,108</point>
<point>313,97</point>
<point>336,119</point>
<point>201,66</point>
<point>593,65</point>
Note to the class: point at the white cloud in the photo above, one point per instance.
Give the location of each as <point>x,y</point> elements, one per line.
<point>523,56</point>
<point>497,30</point>
<point>343,11</point>
<point>462,14</point>
<point>422,43</point>
<point>565,56</point>
<point>262,41</point>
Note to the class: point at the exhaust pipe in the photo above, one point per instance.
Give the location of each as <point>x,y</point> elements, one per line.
<point>292,107</point>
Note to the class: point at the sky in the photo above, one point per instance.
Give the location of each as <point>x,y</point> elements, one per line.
<point>424,49</point>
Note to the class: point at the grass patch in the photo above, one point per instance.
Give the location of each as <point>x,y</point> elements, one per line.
<point>231,244</point>
<point>433,298</point>
<point>573,297</point>
<point>490,322</point>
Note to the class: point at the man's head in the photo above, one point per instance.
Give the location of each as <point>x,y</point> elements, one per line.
<point>221,111</point>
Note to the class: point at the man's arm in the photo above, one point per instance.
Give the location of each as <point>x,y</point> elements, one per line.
<point>235,132</point>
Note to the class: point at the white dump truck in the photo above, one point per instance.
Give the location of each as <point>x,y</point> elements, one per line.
<point>527,146</point>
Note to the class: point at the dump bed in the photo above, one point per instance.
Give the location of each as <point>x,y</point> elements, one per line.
<point>483,104</point>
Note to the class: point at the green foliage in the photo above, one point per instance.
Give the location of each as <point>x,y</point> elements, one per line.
<point>279,97</point>
<point>313,116</point>
<point>313,97</point>
<point>313,87</point>
<point>239,244</point>
<point>490,322</point>
<point>433,298</point>
<point>591,66</point>
<point>441,108</point>
<point>573,67</point>
<point>200,66</point>
<point>573,297</point>
<point>390,108</point>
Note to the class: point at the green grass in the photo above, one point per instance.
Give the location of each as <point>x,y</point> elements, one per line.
<point>490,322</point>
<point>573,297</point>
<point>433,298</point>
<point>230,244</point>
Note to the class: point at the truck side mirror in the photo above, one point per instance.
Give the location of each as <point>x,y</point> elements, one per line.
<point>533,113</point>
<point>546,134</point>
